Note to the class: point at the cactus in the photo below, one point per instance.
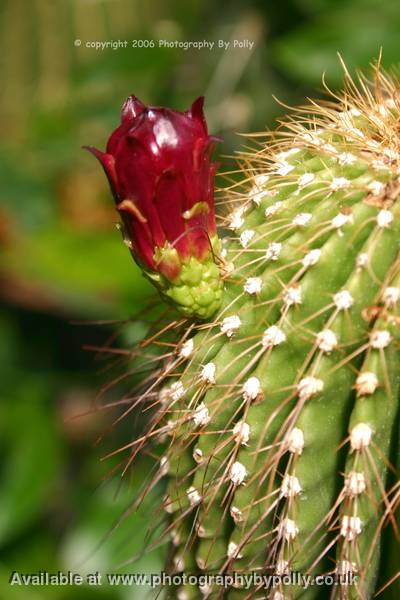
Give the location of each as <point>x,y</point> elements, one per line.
<point>275,415</point>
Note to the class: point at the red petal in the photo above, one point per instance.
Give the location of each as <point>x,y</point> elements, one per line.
<point>140,237</point>
<point>131,108</point>
<point>169,202</point>
<point>108,163</point>
<point>137,179</point>
<point>196,111</point>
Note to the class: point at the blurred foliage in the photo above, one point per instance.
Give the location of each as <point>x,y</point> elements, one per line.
<point>357,29</point>
<point>62,259</point>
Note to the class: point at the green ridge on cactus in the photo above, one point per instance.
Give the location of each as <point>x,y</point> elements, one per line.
<point>277,416</point>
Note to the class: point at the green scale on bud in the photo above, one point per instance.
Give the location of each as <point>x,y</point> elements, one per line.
<point>197,290</point>
<point>278,414</point>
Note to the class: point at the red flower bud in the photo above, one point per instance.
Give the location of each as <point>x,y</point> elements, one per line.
<point>158,163</point>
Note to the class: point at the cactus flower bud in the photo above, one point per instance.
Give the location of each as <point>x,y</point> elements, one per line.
<point>158,163</point>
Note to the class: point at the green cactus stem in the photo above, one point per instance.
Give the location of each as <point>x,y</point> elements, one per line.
<point>278,413</point>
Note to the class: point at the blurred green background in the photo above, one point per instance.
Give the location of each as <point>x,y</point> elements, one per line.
<point>62,260</point>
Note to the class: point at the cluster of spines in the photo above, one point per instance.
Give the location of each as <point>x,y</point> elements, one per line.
<point>299,362</point>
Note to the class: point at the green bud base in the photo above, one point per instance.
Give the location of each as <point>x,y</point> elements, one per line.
<point>197,292</point>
